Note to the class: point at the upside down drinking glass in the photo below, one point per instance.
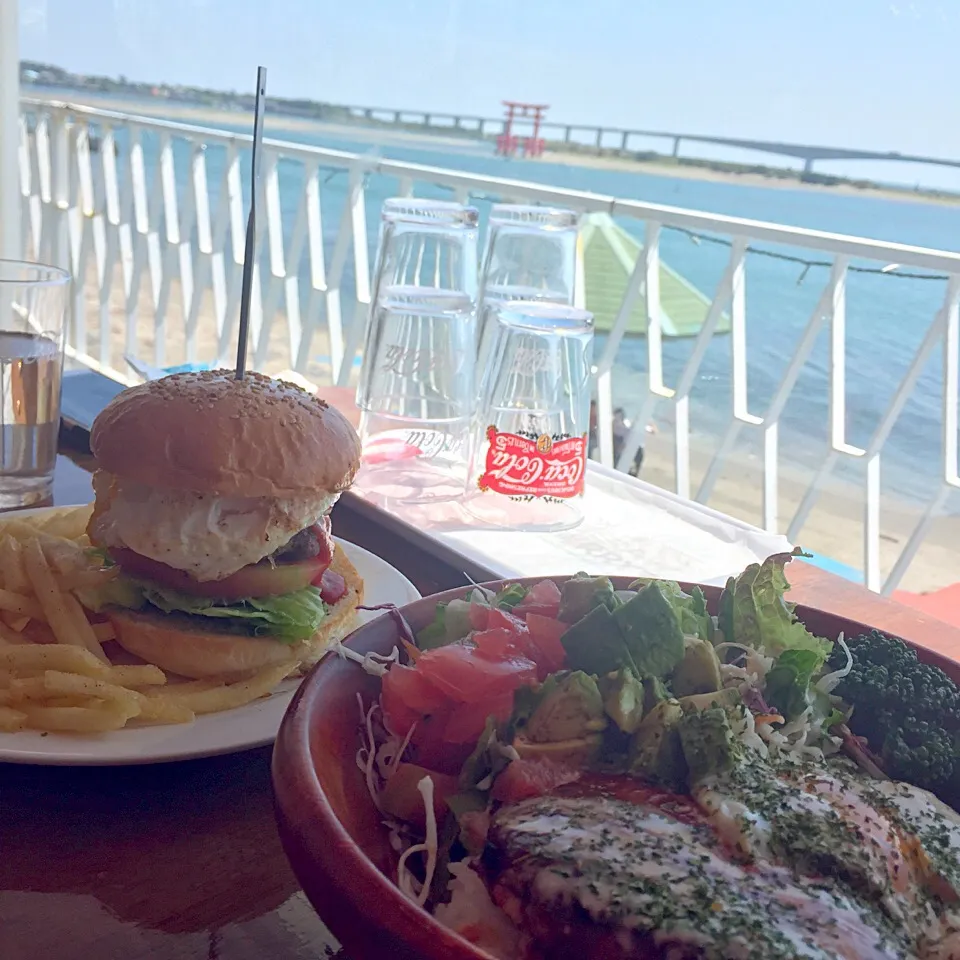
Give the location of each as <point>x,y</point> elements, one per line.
<point>530,254</point>
<point>427,243</point>
<point>416,395</point>
<point>529,449</point>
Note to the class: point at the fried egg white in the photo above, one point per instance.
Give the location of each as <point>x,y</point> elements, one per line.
<point>209,537</point>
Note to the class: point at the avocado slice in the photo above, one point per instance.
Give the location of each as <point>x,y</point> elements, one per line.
<point>650,632</point>
<point>571,709</point>
<point>584,593</point>
<point>726,698</point>
<point>698,671</point>
<point>656,753</point>
<point>576,752</point>
<point>624,699</point>
<point>708,743</point>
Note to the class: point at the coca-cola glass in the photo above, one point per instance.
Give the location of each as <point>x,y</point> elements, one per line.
<point>531,249</point>
<point>427,243</point>
<point>416,395</point>
<point>528,452</point>
<point>530,254</point>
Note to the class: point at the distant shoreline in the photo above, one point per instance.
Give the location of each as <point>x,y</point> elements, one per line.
<point>664,168</point>
<point>276,124</point>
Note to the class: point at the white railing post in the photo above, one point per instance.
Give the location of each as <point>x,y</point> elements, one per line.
<point>645,275</point>
<point>318,271</point>
<point>202,261</point>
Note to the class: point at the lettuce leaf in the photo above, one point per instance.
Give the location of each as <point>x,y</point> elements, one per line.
<point>288,618</point>
<point>787,685</point>
<point>753,611</point>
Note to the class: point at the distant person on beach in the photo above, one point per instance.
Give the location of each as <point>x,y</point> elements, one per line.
<point>621,430</point>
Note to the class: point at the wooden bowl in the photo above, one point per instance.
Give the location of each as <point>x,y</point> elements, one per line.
<point>330,829</point>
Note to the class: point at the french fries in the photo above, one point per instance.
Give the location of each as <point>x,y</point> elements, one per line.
<point>55,674</point>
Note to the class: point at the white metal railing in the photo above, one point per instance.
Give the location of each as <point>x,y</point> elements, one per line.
<point>150,215</point>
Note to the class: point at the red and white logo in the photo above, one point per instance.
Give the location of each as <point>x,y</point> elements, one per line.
<point>516,466</point>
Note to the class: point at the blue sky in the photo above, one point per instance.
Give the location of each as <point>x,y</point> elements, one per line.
<point>866,73</point>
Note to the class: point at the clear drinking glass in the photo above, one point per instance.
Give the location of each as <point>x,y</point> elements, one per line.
<point>530,254</point>
<point>416,394</point>
<point>33,307</point>
<point>528,453</point>
<point>531,249</point>
<point>427,243</point>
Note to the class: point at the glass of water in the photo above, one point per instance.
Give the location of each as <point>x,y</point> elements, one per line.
<point>416,395</point>
<point>33,308</point>
<point>528,453</point>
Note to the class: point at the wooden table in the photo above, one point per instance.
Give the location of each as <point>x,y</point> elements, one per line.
<point>182,860</point>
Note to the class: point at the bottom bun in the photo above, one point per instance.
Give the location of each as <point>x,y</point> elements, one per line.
<point>178,643</point>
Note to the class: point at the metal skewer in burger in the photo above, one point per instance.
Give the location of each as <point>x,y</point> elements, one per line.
<point>213,496</point>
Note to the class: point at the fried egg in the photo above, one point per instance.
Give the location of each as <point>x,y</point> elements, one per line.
<point>209,537</point>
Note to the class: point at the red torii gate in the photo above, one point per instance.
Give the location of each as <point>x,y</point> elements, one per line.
<point>508,141</point>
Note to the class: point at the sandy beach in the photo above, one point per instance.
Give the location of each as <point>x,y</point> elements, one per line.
<point>835,526</point>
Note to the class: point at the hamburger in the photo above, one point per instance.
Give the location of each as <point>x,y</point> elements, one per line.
<point>213,497</point>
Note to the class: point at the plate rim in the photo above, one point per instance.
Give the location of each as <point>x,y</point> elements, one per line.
<point>34,757</point>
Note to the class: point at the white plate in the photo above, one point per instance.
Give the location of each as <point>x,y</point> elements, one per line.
<point>231,731</point>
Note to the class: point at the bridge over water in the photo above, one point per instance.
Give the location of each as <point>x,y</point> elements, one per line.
<point>624,140</point>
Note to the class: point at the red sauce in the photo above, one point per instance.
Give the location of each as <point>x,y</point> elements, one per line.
<point>639,792</point>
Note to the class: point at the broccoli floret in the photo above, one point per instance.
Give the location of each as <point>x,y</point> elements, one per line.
<point>908,711</point>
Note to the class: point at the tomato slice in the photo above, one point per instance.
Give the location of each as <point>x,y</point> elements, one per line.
<point>479,615</point>
<point>332,586</point>
<point>505,619</point>
<point>467,720</point>
<point>542,598</point>
<point>406,697</point>
<point>545,634</point>
<point>466,677</point>
<point>429,749</point>
<point>498,643</point>
<point>256,580</point>
<point>525,778</point>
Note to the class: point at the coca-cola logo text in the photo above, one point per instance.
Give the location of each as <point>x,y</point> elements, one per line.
<point>545,467</point>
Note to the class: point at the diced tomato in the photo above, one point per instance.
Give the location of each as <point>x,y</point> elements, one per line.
<point>429,749</point>
<point>479,615</point>
<point>545,633</point>
<point>530,778</point>
<point>332,586</point>
<point>467,720</point>
<point>503,618</point>
<point>464,676</point>
<point>406,696</point>
<point>542,598</point>
<point>498,643</point>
